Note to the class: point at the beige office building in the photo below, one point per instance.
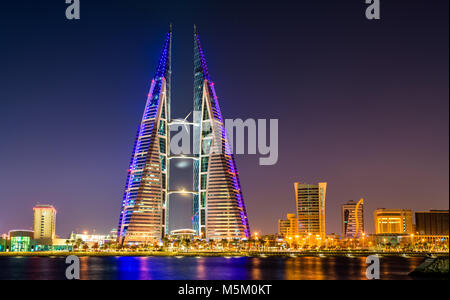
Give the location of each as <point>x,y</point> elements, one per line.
<point>310,200</point>
<point>393,221</point>
<point>44,224</point>
<point>289,227</point>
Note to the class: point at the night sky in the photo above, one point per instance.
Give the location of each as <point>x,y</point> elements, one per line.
<point>362,105</point>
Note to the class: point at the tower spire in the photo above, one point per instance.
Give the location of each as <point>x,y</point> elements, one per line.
<point>216,179</point>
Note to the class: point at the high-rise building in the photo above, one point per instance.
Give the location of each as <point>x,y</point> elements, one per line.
<point>289,227</point>
<point>218,205</point>
<point>433,222</point>
<point>393,221</point>
<point>44,224</point>
<point>144,216</point>
<point>310,200</point>
<point>353,219</point>
<point>219,209</point>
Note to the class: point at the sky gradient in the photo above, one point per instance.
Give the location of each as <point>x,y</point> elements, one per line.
<point>362,105</point>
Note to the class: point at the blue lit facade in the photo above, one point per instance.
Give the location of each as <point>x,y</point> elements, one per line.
<point>218,207</point>
<point>143,218</point>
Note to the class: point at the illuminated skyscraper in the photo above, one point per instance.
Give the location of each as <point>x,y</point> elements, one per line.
<point>143,217</point>
<point>219,209</point>
<point>218,206</point>
<point>353,219</point>
<point>311,208</point>
<point>44,224</point>
<point>289,227</point>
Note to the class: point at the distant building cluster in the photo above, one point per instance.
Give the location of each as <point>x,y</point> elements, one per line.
<point>391,226</point>
<point>43,236</point>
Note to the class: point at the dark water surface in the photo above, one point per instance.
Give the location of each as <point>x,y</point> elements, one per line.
<point>206,268</point>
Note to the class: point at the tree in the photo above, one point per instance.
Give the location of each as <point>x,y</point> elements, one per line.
<point>95,246</point>
<point>68,242</point>
<point>78,243</point>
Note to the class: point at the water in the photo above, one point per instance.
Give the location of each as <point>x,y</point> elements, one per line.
<point>207,268</point>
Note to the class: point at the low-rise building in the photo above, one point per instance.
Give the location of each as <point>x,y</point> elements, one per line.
<point>183,234</point>
<point>433,222</point>
<point>21,240</point>
<point>393,221</point>
<point>3,244</point>
<point>289,227</point>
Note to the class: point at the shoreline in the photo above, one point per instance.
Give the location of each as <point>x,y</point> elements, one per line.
<point>222,254</point>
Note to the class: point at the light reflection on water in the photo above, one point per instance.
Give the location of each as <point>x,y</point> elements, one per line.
<point>207,268</point>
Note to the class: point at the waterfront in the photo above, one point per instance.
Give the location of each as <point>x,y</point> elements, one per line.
<point>207,268</point>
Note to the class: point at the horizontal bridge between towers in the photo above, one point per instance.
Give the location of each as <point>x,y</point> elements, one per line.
<point>182,192</point>
<point>183,156</point>
<point>182,122</point>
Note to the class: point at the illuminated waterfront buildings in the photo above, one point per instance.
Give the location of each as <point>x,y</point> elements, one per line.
<point>219,209</point>
<point>218,205</point>
<point>433,222</point>
<point>21,240</point>
<point>3,243</point>
<point>393,221</point>
<point>44,224</point>
<point>310,200</point>
<point>289,227</point>
<point>283,227</point>
<point>143,217</point>
<point>353,219</point>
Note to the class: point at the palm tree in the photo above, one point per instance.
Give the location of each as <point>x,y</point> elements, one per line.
<point>95,246</point>
<point>187,243</point>
<point>165,241</point>
<point>78,243</point>
<point>68,242</point>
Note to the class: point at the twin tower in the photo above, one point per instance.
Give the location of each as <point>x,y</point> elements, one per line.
<point>218,205</point>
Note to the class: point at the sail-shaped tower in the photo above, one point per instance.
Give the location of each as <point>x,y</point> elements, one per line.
<point>218,208</point>
<point>218,205</point>
<point>144,215</point>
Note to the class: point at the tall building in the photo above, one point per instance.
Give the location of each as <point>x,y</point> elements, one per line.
<point>433,222</point>
<point>218,205</point>
<point>310,200</point>
<point>393,221</point>
<point>353,219</point>
<point>44,224</point>
<point>218,208</point>
<point>144,216</point>
<point>289,227</point>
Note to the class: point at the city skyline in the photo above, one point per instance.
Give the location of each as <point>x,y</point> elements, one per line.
<point>373,145</point>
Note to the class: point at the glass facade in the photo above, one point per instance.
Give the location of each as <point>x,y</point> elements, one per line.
<point>218,206</point>
<point>219,209</point>
<point>353,219</point>
<point>144,213</point>
<point>310,200</point>
<point>20,244</point>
